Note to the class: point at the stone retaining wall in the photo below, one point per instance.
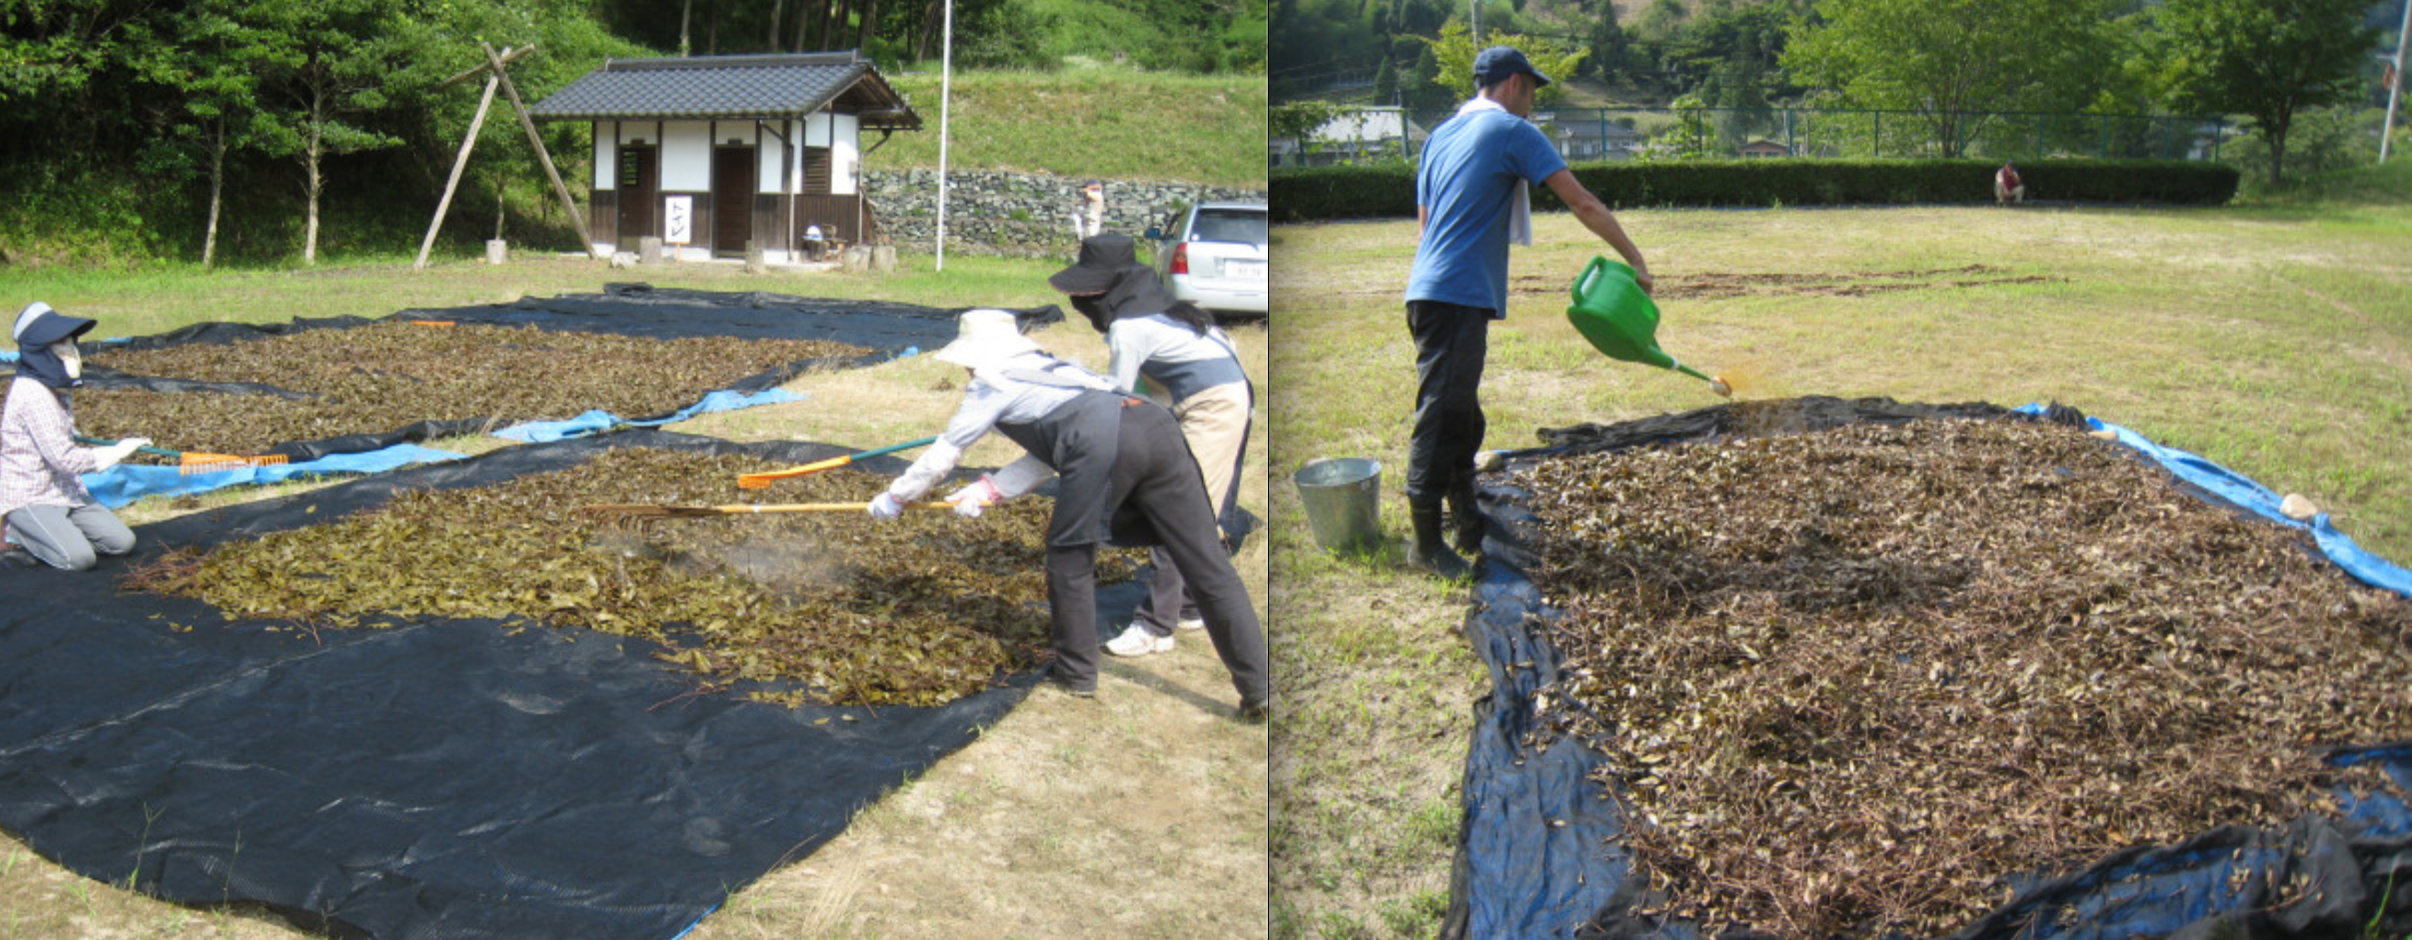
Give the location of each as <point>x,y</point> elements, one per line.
<point>1021,215</point>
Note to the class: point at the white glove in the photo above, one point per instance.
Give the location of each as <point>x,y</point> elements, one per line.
<point>885,507</point>
<point>117,453</point>
<point>971,500</point>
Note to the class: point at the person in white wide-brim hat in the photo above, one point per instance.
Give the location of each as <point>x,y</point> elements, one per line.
<point>44,508</point>
<point>1127,478</point>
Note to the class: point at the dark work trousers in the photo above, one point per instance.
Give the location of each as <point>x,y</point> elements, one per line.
<point>1168,599</point>
<point>1154,474</point>
<point>1450,343</point>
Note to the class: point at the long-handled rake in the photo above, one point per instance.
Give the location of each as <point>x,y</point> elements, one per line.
<point>763,480</point>
<point>190,462</point>
<point>651,511</point>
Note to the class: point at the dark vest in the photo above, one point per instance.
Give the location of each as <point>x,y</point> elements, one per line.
<point>1079,439</point>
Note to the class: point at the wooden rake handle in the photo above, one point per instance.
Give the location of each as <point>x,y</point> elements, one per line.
<point>738,509</point>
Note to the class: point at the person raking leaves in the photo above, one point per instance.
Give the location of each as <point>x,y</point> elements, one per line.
<point>1126,477</point>
<point>44,508</point>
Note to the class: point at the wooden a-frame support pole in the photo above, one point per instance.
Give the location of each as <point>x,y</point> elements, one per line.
<point>459,163</point>
<point>499,76</point>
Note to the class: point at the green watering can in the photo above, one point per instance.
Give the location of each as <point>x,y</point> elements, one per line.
<point>1620,320</point>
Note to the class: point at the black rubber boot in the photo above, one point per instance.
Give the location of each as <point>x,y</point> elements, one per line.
<point>1465,518</point>
<point>1431,553</point>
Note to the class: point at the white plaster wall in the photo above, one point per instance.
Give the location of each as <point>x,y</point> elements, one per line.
<point>686,156</point>
<point>795,131</point>
<point>767,158</point>
<point>607,155</point>
<point>844,153</point>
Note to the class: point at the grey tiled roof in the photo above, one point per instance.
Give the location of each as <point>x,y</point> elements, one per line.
<point>748,86</point>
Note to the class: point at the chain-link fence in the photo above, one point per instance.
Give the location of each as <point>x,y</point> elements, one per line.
<point>1710,133</point>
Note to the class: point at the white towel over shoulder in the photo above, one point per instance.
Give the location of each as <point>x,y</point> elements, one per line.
<point>1520,213</point>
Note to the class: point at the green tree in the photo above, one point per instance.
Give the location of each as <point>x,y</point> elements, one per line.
<point>1609,45</point>
<point>209,82</point>
<point>1421,90</point>
<point>2269,60</point>
<point>1386,83</point>
<point>1947,59</point>
<point>328,62</point>
<point>1453,53</point>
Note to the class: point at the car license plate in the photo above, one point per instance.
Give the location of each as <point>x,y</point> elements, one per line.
<point>1253,270</point>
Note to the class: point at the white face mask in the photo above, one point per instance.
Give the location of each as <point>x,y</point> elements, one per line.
<point>70,357</point>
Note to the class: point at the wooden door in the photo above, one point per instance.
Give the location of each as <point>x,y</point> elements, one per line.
<point>640,187</point>
<point>733,171</point>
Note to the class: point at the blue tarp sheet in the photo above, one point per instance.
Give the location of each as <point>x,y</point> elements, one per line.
<point>125,483</point>
<point>595,422</point>
<point>1540,856</point>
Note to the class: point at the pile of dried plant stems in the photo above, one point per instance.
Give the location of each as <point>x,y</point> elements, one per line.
<point>916,611</point>
<point>389,375</point>
<point>1849,680</point>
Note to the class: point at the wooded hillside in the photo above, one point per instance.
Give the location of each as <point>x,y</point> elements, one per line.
<point>220,129</point>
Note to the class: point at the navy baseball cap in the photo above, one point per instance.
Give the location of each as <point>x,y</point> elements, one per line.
<point>1495,64</point>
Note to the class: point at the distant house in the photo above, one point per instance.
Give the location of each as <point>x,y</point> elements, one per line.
<point>711,152</point>
<point>1352,135</point>
<point>1765,148</point>
<point>1589,135</point>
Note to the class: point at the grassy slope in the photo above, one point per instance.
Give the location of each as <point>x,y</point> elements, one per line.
<point>2274,338</point>
<point>1102,122</point>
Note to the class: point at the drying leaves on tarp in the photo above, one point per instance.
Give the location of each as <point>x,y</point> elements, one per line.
<point>1849,681</point>
<point>389,374</point>
<point>828,607</point>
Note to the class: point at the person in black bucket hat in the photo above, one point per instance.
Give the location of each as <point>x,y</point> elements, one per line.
<point>44,508</point>
<point>1472,199</point>
<point>1180,351</point>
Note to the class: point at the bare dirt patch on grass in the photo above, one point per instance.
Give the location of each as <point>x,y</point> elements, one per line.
<point>1711,285</point>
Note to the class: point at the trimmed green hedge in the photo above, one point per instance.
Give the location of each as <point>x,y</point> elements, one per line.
<point>1388,191</point>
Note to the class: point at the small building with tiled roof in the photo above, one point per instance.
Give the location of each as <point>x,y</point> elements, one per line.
<point>712,152</point>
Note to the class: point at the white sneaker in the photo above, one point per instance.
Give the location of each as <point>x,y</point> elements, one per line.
<point>1136,641</point>
<point>1190,623</point>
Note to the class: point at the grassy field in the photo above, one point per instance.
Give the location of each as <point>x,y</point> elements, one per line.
<point>1138,814</point>
<point>1103,122</point>
<point>2274,338</point>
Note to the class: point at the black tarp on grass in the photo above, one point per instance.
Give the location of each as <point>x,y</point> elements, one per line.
<point>439,778</point>
<point>639,310</point>
<point>1536,856</point>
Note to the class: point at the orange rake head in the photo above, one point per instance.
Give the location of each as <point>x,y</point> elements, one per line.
<point>191,463</point>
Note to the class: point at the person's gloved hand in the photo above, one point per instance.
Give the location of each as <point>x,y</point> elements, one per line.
<point>971,500</point>
<point>117,453</point>
<point>885,507</point>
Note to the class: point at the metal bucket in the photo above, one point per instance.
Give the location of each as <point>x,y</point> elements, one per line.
<point>1343,502</point>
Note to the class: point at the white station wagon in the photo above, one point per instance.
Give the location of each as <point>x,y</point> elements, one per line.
<point>1215,257</point>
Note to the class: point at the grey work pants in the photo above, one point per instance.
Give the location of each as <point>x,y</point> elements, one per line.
<point>72,539</point>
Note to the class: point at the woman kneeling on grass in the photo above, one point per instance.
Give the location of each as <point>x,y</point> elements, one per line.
<point>1177,347</point>
<point>44,507</point>
<point>1127,477</point>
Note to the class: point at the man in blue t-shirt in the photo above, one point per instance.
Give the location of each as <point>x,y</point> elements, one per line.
<point>1471,199</point>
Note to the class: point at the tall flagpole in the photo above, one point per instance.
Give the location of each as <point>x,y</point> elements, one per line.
<point>946,78</point>
<point>2398,74</point>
